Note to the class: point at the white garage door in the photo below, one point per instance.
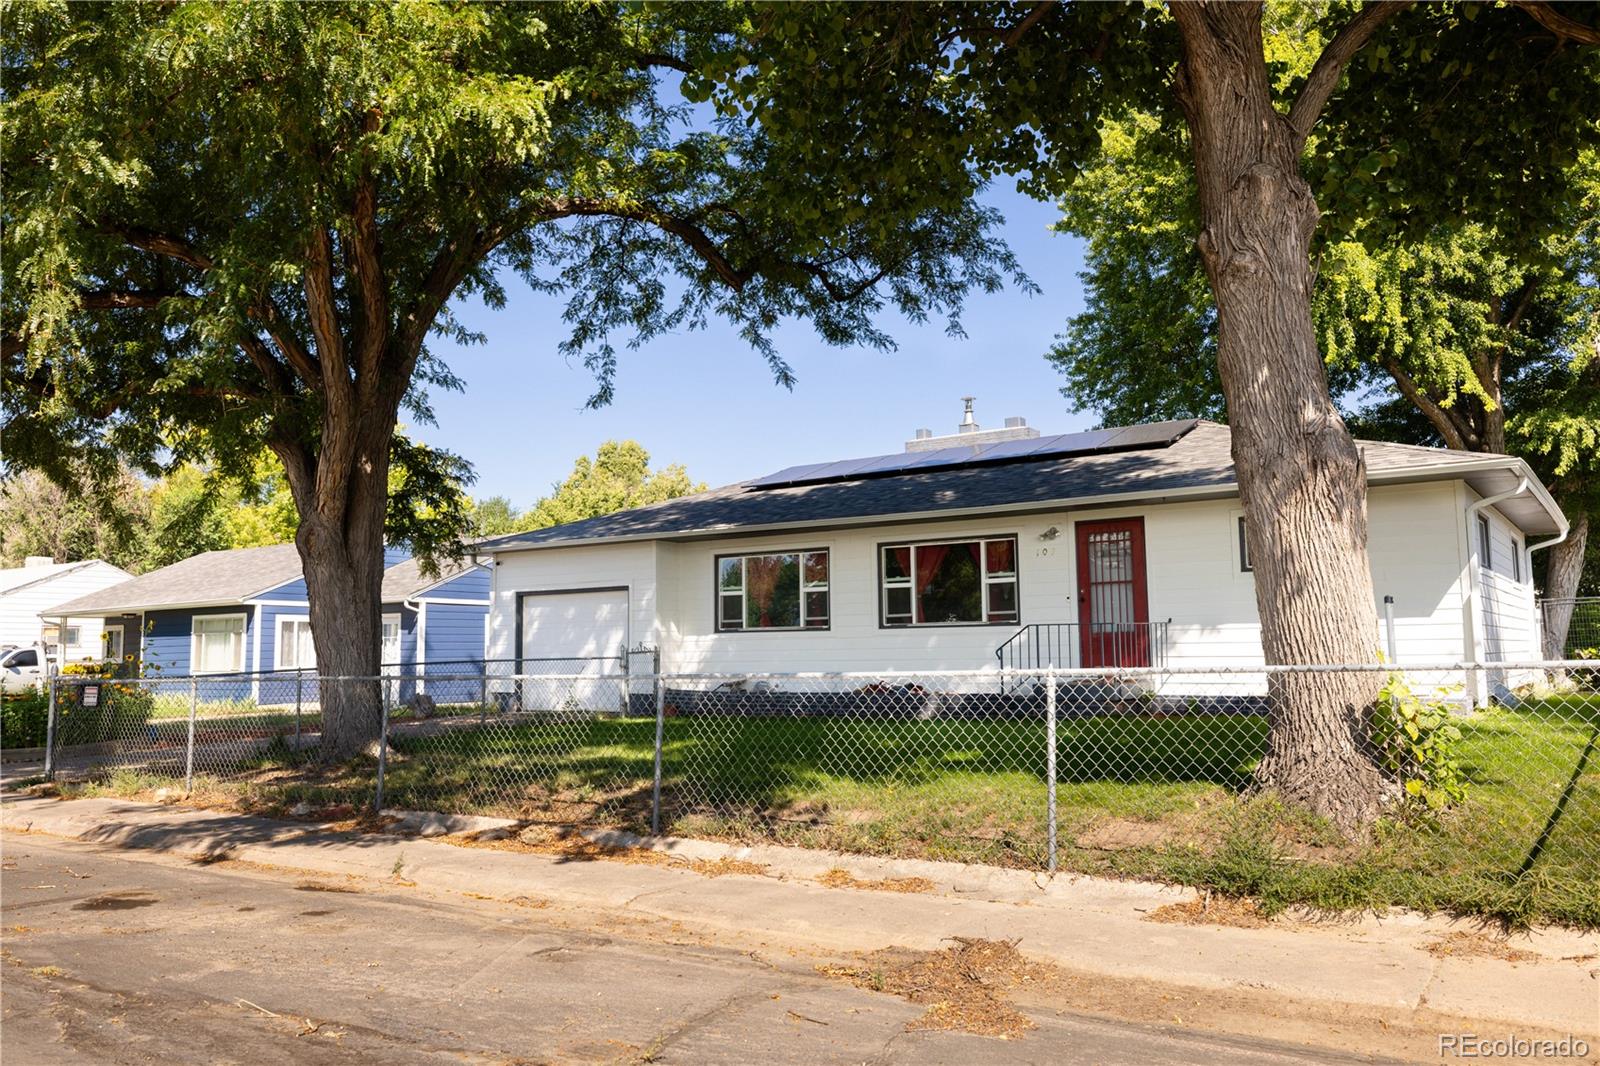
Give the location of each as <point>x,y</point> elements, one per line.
<point>574,633</point>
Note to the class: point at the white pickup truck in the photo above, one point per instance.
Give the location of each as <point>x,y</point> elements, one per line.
<point>22,668</point>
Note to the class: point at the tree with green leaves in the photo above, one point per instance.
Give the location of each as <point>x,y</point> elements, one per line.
<point>235,226</point>
<point>1476,336</point>
<point>916,99</point>
<point>617,478</point>
<point>88,518</point>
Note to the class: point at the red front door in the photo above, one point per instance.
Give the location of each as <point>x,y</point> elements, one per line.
<point>1113,613</point>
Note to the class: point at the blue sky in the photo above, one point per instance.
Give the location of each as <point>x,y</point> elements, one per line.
<point>705,400</point>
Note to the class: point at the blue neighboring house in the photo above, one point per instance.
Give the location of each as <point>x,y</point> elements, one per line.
<point>242,618</point>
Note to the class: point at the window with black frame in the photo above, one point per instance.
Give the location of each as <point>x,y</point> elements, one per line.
<point>776,590</point>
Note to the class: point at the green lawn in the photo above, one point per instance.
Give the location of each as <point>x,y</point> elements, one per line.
<point>1156,797</point>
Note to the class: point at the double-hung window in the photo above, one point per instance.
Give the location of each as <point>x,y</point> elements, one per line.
<point>781,590</point>
<point>218,644</point>
<point>966,582</point>
<point>295,648</point>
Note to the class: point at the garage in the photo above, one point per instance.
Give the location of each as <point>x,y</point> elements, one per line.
<point>575,631</point>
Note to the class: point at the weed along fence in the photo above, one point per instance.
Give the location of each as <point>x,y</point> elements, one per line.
<point>1493,802</point>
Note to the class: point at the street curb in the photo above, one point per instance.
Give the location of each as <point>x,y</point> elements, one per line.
<point>1082,924</point>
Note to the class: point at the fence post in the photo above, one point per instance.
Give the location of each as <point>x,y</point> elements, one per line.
<point>50,728</point>
<point>655,783</point>
<point>299,682</point>
<point>383,747</point>
<point>1388,627</point>
<point>1050,758</point>
<point>188,751</point>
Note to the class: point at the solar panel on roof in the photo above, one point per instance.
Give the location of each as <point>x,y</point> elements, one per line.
<point>1125,438</point>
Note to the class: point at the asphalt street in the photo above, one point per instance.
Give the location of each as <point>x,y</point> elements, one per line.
<point>116,959</point>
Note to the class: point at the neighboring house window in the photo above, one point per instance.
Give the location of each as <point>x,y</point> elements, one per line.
<point>1485,544</point>
<point>295,649</point>
<point>968,582</point>
<point>1244,549</point>
<point>52,636</point>
<point>1516,559</point>
<point>218,644</point>
<point>783,590</point>
<point>113,639</point>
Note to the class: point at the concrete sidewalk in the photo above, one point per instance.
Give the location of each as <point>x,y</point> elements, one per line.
<point>1086,925</point>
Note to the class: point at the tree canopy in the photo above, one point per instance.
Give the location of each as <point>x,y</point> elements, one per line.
<point>616,479</point>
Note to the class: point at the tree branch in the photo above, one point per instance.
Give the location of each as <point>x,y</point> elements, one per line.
<point>1546,15</point>
<point>1014,35</point>
<point>647,60</point>
<point>366,259</point>
<point>162,244</point>
<point>1438,416</point>
<point>1330,64</point>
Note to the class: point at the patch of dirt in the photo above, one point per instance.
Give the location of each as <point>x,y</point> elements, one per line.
<point>323,886</point>
<point>1121,834</point>
<point>965,987</point>
<point>839,877</point>
<point>1463,944</point>
<point>520,901</point>
<point>1212,910</point>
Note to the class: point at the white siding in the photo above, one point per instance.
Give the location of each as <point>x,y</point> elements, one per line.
<point>630,565</point>
<point>1507,609</point>
<point>1193,579</point>
<point>24,610</point>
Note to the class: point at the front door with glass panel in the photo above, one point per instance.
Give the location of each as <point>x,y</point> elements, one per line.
<point>391,644</point>
<point>1113,614</point>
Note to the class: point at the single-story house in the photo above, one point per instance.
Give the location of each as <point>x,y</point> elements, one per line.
<point>243,613</point>
<point>1004,549</point>
<point>28,592</point>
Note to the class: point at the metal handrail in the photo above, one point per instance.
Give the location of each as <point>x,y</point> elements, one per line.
<point>1060,644</point>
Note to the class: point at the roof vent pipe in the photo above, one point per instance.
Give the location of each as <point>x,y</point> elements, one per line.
<point>968,423</point>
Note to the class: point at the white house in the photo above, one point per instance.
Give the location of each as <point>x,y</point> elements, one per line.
<point>28,592</point>
<point>991,549</point>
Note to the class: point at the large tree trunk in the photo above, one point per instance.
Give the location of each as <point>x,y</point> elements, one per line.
<point>1301,477</point>
<point>1561,586</point>
<point>341,549</point>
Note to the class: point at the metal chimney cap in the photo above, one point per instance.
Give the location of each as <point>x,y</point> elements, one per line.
<point>1016,422</point>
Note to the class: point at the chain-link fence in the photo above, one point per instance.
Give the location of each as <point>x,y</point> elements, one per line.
<point>1490,772</point>
<point>1582,625</point>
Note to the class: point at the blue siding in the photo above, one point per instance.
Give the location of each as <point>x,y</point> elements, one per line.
<point>294,591</point>
<point>454,633</point>
<point>168,639</point>
<point>472,585</point>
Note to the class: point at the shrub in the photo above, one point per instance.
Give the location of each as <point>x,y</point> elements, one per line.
<point>24,718</point>
<point>121,713</point>
<point>1419,744</point>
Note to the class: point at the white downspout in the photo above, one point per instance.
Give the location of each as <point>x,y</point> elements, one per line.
<point>1480,695</point>
<point>419,666</point>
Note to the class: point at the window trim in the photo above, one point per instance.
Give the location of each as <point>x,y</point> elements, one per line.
<point>105,641</point>
<point>1245,565</point>
<point>983,573</point>
<point>194,637</point>
<point>1485,544</point>
<point>717,594</point>
<point>277,642</point>
<point>1516,559</point>
<point>399,665</point>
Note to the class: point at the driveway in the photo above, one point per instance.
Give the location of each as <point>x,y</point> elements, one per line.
<point>112,959</point>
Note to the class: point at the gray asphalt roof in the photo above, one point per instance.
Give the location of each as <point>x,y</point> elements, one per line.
<point>1199,460</point>
<point>211,577</point>
<point>404,580</point>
